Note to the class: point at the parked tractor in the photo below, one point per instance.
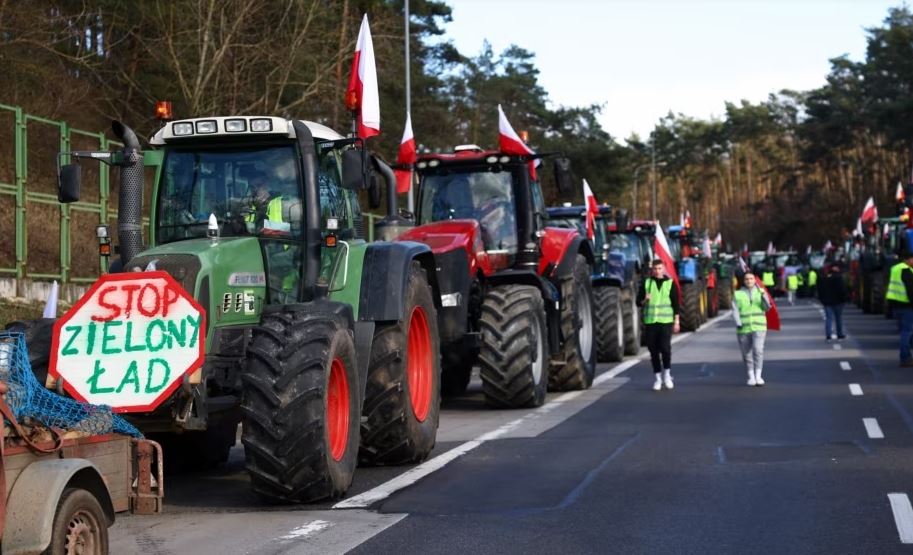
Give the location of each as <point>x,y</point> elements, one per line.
<point>697,277</point>
<point>883,245</point>
<point>614,291</point>
<point>325,347</point>
<point>725,265</point>
<point>516,296</point>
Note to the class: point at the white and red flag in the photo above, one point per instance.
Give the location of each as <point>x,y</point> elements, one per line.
<point>900,196</point>
<point>405,159</point>
<point>718,240</point>
<point>743,266</point>
<point>869,212</point>
<point>664,253</point>
<point>770,248</point>
<point>687,221</point>
<point>511,143</point>
<point>592,210</point>
<point>707,249</point>
<point>828,246</point>
<point>886,232</point>
<point>361,95</point>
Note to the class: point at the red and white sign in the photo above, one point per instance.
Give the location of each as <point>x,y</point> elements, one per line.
<point>361,94</point>
<point>129,342</point>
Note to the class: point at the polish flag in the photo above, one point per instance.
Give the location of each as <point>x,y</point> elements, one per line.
<point>405,160</point>
<point>664,253</point>
<point>361,95</point>
<point>743,266</point>
<point>718,240</point>
<point>828,246</point>
<point>770,248</point>
<point>858,231</point>
<point>592,210</point>
<point>869,212</point>
<point>681,219</point>
<point>900,196</point>
<point>687,222</point>
<point>511,143</point>
<point>886,232</point>
<point>706,248</point>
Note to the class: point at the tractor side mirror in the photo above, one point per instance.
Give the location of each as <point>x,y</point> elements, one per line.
<point>68,183</point>
<point>354,169</point>
<point>373,192</point>
<point>563,178</point>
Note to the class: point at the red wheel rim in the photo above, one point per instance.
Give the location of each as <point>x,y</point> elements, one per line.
<point>338,409</point>
<point>420,365</point>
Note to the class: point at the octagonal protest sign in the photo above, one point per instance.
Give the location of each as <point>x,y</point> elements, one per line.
<point>129,341</point>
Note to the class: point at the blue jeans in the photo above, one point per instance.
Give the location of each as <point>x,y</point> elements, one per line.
<point>833,313</point>
<point>905,318</point>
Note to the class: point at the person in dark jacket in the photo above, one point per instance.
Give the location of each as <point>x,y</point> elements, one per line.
<point>900,295</point>
<point>659,298</point>
<point>832,294</point>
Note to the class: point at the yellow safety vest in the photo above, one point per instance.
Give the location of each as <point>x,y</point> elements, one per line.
<point>792,282</point>
<point>751,312</point>
<point>273,211</point>
<point>658,310</point>
<point>896,290</point>
<point>812,278</point>
<point>768,279</point>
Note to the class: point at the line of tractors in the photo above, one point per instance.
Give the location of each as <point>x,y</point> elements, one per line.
<point>342,348</point>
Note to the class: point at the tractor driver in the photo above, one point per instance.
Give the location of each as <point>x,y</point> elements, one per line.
<point>267,213</point>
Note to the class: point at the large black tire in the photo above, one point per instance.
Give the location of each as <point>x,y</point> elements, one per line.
<point>299,406</point>
<point>37,334</point>
<point>403,395</point>
<point>80,525</point>
<point>610,344</point>
<point>456,372</point>
<point>724,290</point>
<point>690,317</point>
<point>514,355</point>
<point>575,367</point>
<point>630,316</point>
<point>877,290</point>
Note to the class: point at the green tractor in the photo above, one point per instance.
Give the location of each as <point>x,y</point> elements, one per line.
<point>323,346</point>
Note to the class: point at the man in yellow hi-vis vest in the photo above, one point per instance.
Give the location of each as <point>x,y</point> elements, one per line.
<point>900,295</point>
<point>792,285</point>
<point>750,316</point>
<point>659,298</point>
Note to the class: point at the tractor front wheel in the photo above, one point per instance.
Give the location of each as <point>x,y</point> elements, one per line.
<point>577,367</point>
<point>630,315</point>
<point>609,327</point>
<point>299,406</point>
<point>690,317</point>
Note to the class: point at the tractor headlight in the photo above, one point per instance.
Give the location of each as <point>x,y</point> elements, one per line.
<point>235,125</point>
<point>182,128</point>
<point>491,159</point>
<point>421,165</point>
<point>206,126</point>
<point>504,159</point>
<point>434,163</point>
<point>261,125</point>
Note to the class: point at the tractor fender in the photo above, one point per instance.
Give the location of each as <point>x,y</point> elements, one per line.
<point>560,253</point>
<point>384,277</point>
<point>455,282</point>
<point>33,500</point>
<point>449,235</point>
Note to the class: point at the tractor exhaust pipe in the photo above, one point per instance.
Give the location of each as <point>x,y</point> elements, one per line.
<point>130,195</point>
<point>393,225</point>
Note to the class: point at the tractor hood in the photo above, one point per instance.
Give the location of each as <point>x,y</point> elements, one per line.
<point>449,235</point>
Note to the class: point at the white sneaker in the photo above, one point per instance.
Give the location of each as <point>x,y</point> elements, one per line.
<point>759,381</point>
<point>667,379</point>
<point>751,380</point>
<point>658,384</point>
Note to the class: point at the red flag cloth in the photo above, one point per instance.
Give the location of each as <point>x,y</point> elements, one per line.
<point>773,315</point>
<point>361,95</point>
<point>869,212</point>
<point>664,253</point>
<point>405,159</point>
<point>592,210</point>
<point>511,143</point>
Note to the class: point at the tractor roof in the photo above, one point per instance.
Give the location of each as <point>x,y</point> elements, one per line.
<point>576,211</point>
<point>249,127</point>
<point>467,154</point>
<point>636,225</point>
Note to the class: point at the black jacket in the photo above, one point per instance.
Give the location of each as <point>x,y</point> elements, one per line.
<point>832,289</point>
<point>673,295</point>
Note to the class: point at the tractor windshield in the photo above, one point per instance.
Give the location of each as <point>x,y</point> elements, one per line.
<point>480,194</point>
<point>627,245</point>
<point>251,191</point>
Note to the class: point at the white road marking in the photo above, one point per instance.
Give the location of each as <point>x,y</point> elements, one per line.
<point>307,530</point>
<point>844,365</point>
<point>872,428</point>
<point>903,516</point>
<point>838,347</point>
<point>415,474</point>
<point>855,389</point>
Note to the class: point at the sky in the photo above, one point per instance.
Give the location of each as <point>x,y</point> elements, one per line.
<point>643,59</point>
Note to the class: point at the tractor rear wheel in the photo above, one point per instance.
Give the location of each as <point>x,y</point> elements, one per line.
<point>299,406</point>
<point>690,318</point>
<point>402,399</point>
<point>877,289</point>
<point>609,327</point>
<point>576,368</point>
<point>514,354</point>
<point>630,315</point>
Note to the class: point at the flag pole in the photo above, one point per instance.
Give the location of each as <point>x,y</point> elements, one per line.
<point>410,199</point>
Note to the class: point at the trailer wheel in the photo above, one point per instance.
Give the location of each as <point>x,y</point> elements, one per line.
<point>80,525</point>
<point>514,352</point>
<point>610,340</point>
<point>690,318</point>
<point>631,317</point>
<point>577,366</point>
<point>402,399</point>
<point>299,407</point>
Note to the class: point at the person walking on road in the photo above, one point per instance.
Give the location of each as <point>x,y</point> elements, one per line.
<point>792,285</point>
<point>900,295</point>
<point>832,294</point>
<point>659,298</point>
<point>750,315</point>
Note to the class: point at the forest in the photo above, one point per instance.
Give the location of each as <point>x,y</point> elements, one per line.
<point>794,169</point>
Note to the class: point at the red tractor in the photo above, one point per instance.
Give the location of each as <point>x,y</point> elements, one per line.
<point>516,297</point>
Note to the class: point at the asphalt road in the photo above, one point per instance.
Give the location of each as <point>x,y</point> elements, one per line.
<point>713,466</point>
